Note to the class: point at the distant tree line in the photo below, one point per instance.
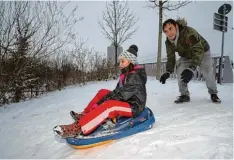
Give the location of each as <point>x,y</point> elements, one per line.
<point>39,51</point>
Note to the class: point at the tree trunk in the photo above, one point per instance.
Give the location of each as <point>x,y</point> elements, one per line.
<point>116,52</point>
<point>158,70</point>
<point>18,94</point>
<point>116,40</point>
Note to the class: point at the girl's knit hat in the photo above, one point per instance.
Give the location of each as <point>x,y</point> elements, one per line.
<point>131,54</point>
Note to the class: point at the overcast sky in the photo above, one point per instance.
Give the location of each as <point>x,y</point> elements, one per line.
<point>199,15</point>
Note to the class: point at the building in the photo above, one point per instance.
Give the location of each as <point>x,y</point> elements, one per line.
<point>111,53</point>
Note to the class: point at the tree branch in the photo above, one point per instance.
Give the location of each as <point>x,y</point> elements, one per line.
<point>168,5</point>
<point>124,21</point>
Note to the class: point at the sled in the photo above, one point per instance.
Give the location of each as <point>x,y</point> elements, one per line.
<point>110,131</point>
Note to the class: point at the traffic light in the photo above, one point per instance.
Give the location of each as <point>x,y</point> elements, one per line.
<point>220,22</point>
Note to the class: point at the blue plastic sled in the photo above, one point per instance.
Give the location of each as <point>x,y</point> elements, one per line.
<point>109,131</point>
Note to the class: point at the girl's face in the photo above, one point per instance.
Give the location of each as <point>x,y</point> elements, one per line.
<point>123,62</point>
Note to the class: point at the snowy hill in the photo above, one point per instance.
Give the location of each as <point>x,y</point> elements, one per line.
<point>199,129</point>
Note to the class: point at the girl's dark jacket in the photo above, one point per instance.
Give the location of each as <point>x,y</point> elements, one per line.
<point>133,90</point>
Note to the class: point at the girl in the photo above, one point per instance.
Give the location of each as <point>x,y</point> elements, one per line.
<point>128,99</point>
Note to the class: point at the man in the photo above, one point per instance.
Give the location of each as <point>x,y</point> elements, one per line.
<point>194,51</point>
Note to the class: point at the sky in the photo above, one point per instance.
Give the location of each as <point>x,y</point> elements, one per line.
<point>196,130</point>
<point>199,15</point>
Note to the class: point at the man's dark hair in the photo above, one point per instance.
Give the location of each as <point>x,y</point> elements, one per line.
<point>169,21</point>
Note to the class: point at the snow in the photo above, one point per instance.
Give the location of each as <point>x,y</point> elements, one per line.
<point>199,129</point>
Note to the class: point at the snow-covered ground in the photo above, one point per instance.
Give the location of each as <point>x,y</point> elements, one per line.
<point>199,129</point>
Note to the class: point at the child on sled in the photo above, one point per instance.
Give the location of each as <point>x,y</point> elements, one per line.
<point>128,99</point>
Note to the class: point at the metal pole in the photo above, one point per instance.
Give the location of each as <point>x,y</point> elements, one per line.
<point>221,60</point>
<point>222,48</point>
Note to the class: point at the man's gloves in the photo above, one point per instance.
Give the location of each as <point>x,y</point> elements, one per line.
<point>187,74</point>
<point>164,77</point>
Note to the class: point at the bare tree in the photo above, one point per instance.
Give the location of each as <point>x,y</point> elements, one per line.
<point>30,31</point>
<point>118,22</point>
<point>80,54</point>
<point>169,6</point>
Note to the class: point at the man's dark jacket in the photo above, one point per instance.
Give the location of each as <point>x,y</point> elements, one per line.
<point>190,45</point>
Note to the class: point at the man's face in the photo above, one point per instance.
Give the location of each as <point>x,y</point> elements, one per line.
<point>170,31</point>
